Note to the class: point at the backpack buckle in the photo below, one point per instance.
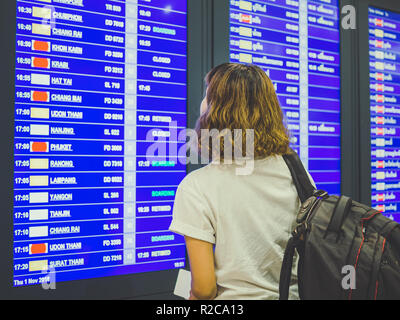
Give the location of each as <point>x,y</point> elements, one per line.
<point>308,206</point>
<point>300,230</point>
<point>320,194</point>
<point>305,209</point>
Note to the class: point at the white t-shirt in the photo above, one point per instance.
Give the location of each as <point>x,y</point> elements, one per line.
<point>249,218</point>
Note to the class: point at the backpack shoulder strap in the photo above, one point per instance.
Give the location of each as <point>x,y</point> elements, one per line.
<point>286,269</point>
<point>301,180</point>
<point>305,190</point>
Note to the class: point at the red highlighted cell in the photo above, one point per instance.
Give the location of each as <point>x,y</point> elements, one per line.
<point>380,120</point>
<point>43,63</point>
<point>380,131</point>
<point>38,248</point>
<point>380,164</point>
<point>39,146</point>
<point>43,46</point>
<point>40,96</point>
<point>379,76</point>
<point>378,44</point>
<point>379,22</point>
<point>381,208</point>
<point>245,18</point>
<point>380,98</point>
<point>380,109</point>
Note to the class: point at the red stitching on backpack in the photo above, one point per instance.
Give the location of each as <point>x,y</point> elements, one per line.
<point>371,216</point>
<point>377,282</point>
<point>358,254</point>
<point>376,289</point>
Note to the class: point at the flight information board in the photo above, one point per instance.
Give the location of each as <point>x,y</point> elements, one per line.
<point>297,43</point>
<point>384,49</point>
<point>97,82</point>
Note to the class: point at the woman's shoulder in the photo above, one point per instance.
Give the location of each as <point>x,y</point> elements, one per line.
<point>208,178</point>
<point>196,178</point>
<point>215,170</point>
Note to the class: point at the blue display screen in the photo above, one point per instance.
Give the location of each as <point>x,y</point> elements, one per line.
<point>297,43</point>
<point>94,80</point>
<point>384,50</point>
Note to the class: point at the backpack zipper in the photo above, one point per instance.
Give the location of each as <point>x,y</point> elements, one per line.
<point>364,231</point>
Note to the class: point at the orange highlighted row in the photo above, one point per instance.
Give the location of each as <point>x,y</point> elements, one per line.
<point>37,146</point>
<point>380,120</point>
<point>43,63</point>
<point>380,164</point>
<point>40,96</point>
<point>379,22</point>
<point>378,44</point>
<point>43,46</point>
<point>245,18</point>
<point>380,197</point>
<point>380,109</point>
<point>38,248</point>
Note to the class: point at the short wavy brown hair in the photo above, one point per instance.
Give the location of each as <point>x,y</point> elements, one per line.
<point>243,97</point>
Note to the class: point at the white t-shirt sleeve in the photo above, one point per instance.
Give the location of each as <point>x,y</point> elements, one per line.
<point>192,216</point>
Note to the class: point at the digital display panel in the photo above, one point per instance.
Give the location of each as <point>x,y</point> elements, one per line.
<point>297,43</point>
<point>384,52</point>
<point>96,80</point>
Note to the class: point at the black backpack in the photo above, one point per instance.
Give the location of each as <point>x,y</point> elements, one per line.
<point>347,250</point>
